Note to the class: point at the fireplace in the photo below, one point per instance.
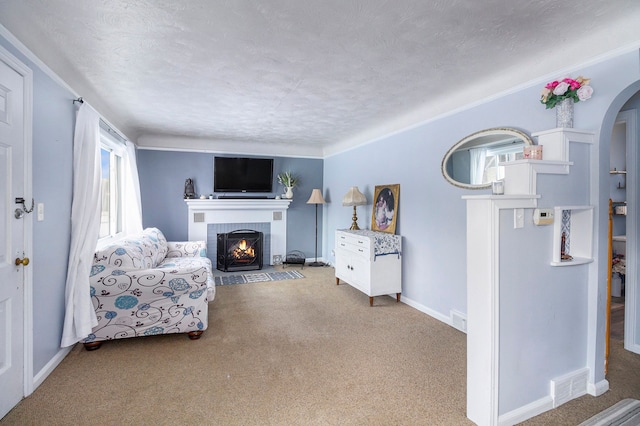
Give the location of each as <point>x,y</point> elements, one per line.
<point>242,213</point>
<point>239,250</point>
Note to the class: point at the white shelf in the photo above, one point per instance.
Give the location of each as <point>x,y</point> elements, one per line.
<point>580,236</point>
<point>573,262</point>
<point>555,142</point>
<point>520,176</point>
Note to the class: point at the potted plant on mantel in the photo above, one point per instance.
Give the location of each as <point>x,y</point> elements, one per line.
<point>289,181</point>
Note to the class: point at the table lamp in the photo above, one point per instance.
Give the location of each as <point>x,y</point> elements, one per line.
<point>354,198</point>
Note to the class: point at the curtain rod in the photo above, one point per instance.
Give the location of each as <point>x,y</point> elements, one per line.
<point>105,126</point>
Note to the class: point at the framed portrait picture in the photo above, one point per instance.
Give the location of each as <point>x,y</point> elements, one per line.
<point>385,208</point>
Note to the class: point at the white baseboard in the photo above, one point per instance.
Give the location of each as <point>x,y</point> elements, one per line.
<point>526,412</point>
<point>435,314</point>
<point>39,378</point>
<point>630,346</point>
<point>597,389</point>
<point>313,259</point>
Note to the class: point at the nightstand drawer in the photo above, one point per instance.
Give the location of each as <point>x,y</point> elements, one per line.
<point>353,248</point>
<point>355,240</point>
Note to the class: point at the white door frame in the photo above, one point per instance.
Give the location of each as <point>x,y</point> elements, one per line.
<point>631,343</point>
<point>27,75</point>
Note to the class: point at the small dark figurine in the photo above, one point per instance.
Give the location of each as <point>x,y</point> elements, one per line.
<point>189,190</point>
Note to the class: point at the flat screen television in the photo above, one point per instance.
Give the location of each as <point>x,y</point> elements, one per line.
<point>238,174</point>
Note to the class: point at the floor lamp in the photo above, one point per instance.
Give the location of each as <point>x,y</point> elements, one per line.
<point>316,198</point>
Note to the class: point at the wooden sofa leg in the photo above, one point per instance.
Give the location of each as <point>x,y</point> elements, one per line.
<point>194,335</point>
<point>92,346</point>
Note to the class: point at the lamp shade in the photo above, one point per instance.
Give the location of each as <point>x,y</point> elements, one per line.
<point>354,198</point>
<point>316,197</point>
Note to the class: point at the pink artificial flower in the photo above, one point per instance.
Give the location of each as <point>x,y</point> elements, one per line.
<point>552,85</point>
<point>585,93</point>
<point>573,84</point>
<point>561,88</point>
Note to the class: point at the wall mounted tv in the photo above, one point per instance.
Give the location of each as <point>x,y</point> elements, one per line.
<point>236,174</point>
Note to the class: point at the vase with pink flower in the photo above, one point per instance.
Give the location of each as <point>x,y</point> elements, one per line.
<point>562,94</point>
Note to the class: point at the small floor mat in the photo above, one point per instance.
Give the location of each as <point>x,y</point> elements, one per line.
<point>257,277</point>
<point>624,413</point>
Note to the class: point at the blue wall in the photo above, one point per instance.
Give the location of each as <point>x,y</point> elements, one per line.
<point>558,311</point>
<point>163,174</point>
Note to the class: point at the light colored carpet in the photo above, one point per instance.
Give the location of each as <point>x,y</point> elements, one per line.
<point>294,352</point>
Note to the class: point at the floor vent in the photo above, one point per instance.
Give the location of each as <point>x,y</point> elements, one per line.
<point>459,321</point>
<point>569,386</point>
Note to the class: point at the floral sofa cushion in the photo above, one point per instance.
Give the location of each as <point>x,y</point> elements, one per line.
<point>143,285</point>
<point>139,251</point>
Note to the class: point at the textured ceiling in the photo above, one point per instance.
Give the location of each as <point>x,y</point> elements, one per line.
<point>295,77</point>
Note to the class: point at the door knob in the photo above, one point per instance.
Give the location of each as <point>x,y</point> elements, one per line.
<point>23,262</point>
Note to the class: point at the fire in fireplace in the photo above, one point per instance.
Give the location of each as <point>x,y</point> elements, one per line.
<point>239,250</point>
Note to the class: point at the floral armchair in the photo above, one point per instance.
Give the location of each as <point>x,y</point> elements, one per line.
<point>143,285</point>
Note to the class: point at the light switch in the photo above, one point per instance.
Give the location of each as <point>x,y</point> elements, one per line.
<point>518,218</point>
<point>40,212</point>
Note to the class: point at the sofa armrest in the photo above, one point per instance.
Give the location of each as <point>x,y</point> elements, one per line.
<point>187,249</point>
<point>149,284</point>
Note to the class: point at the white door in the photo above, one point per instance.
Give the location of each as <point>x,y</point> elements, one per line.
<point>12,154</point>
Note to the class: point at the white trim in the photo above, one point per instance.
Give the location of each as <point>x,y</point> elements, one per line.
<point>345,146</point>
<point>317,151</point>
<point>40,377</point>
<point>483,301</point>
<point>189,144</point>
<point>117,151</point>
<point>4,32</point>
<point>526,412</point>
<point>425,310</point>
<point>27,75</point>
<point>631,293</point>
<point>597,389</point>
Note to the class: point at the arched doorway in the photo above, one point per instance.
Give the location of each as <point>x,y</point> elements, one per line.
<point>624,109</point>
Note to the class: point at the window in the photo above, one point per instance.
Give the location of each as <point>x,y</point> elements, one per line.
<point>111,152</point>
<point>496,157</point>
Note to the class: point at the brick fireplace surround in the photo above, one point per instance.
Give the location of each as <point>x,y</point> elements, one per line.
<point>229,211</point>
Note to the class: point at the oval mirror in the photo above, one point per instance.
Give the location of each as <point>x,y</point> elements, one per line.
<point>476,160</point>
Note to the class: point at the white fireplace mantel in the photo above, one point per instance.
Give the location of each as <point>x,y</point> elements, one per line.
<point>204,212</point>
<point>238,204</point>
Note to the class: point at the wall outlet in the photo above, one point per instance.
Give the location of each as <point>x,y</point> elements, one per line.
<point>458,320</point>
<point>40,213</point>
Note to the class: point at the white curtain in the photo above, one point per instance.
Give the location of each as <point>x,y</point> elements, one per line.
<point>478,156</point>
<point>80,317</point>
<point>132,207</point>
